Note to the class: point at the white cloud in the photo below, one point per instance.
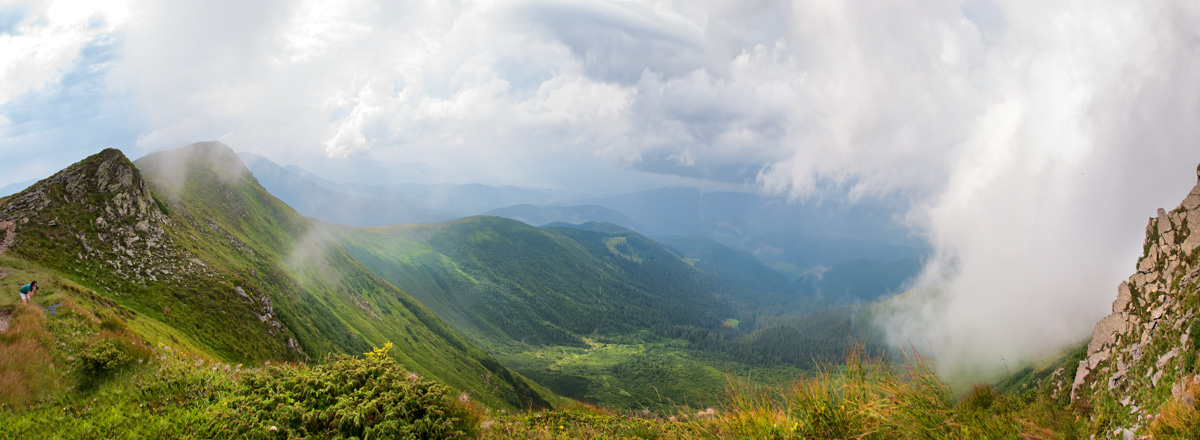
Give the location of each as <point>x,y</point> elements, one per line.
<point>1045,194</point>
<point>48,39</point>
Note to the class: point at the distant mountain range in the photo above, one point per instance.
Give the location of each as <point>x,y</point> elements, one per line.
<point>794,239</point>
<point>386,204</point>
<point>14,188</point>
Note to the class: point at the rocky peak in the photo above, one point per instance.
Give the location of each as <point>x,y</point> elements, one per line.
<point>96,215</point>
<point>106,184</point>
<point>1143,348</point>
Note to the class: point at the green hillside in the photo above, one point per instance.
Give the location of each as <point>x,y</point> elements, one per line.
<point>505,280</point>
<point>758,285</point>
<point>595,311</point>
<point>192,252</point>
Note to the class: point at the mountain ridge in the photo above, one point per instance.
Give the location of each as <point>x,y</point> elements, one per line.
<point>191,244</point>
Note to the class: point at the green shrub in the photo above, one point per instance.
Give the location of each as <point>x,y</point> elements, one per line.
<point>103,355</point>
<point>343,397</point>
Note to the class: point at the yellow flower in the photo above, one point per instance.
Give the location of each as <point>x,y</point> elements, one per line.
<point>379,353</point>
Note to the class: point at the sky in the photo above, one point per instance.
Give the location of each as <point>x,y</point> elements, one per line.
<point>1030,139</point>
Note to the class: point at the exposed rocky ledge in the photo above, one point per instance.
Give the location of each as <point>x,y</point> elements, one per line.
<point>1139,347</point>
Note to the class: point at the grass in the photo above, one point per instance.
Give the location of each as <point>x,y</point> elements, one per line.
<point>159,391</point>
<point>658,376</point>
<point>1179,418</point>
<point>866,398</point>
<point>78,374</point>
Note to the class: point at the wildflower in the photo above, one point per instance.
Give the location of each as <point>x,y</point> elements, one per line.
<point>560,427</point>
<point>464,398</point>
<point>671,419</point>
<point>199,362</point>
<point>273,428</point>
<point>379,353</point>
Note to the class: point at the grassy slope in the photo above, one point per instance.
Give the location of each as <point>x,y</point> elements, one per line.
<point>222,232</point>
<point>504,280</point>
<point>593,314</point>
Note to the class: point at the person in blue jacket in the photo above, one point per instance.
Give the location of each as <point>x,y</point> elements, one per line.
<point>27,291</point>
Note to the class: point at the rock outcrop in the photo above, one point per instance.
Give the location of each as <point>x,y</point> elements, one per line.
<point>1144,347</point>
<point>99,213</point>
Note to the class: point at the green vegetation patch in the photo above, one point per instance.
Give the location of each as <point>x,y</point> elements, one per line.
<point>344,397</point>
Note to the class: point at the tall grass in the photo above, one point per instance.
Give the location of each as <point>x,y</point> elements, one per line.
<point>864,398</point>
<point>27,368</point>
<point>1179,418</point>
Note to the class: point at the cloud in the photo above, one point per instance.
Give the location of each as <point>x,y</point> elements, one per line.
<point>55,104</point>
<point>1084,132</point>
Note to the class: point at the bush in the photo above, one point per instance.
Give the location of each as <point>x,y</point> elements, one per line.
<point>103,355</point>
<point>343,397</point>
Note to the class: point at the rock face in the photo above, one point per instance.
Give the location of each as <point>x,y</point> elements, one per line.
<point>99,213</point>
<point>1145,345</point>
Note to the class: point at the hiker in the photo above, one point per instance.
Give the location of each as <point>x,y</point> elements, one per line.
<point>27,291</point>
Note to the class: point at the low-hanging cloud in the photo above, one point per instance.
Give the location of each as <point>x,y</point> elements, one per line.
<point>1032,139</point>
<point>1075,126</point>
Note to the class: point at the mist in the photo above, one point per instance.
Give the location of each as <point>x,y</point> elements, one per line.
<point>1028,142</point>
<point>1046,196</point>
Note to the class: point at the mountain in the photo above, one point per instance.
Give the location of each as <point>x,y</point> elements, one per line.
<point>859,280</point>
<point>502,279</point>
<point>594,311</point>
<point>540,216</point>
<point>1144,355</point>
<point>790,237</point>
<point>381,205</point>
<point>198,255</point>
<point>14,188</point>
<point>761,285</point>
